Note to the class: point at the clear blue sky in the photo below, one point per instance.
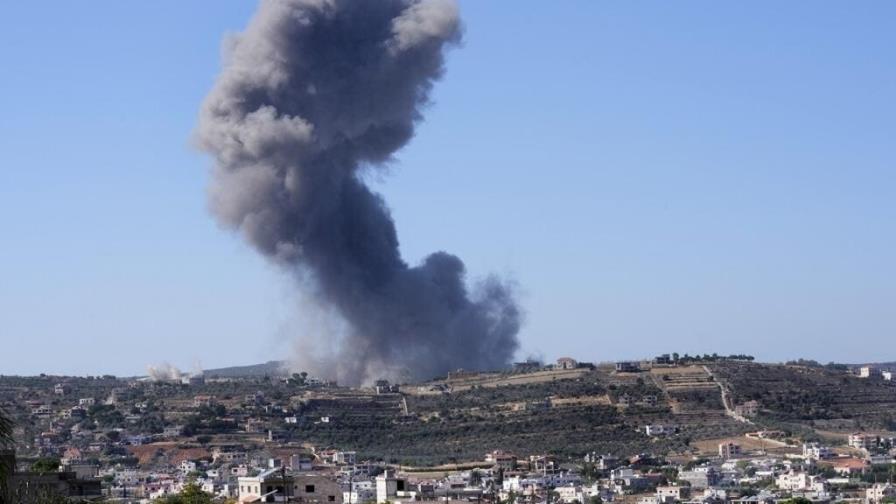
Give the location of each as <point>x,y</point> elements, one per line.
<point>691,176</point>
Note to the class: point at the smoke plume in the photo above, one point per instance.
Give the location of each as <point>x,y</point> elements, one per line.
<point>313,94</point>
<point>164,372</point>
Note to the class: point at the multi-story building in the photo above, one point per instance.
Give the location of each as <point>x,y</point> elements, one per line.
<point>878,492</point>
<point>861,441</point>
<point>815,451</point>
<point>388,486</point>
<point>278,485</point>
<point>566,363</point>
<point>729,450</point>
<point>502,459</point>
<point>674,493</point>
<point>628,367</point>
<point>203,400</point>
<point>794,481</point>
<point>700,477</point>
<point>747,409</point>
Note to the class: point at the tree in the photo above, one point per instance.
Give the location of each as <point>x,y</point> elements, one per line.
<point>45,465</point>
<point>511,498</point>
<point>5,430</point>
<point>5,442</point>
<point>191,494</point>
<point>796,500</point>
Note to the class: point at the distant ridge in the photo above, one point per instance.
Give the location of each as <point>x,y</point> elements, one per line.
<point>270,368</point>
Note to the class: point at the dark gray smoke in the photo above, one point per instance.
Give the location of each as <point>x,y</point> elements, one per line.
<point>313,94</point>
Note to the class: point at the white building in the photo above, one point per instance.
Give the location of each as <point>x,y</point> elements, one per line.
<point>700,477</point>
<point>862,441</point>
<point>814,451</point>
<point>801,482</point>
<point>42,411</point>
<point>276,485</point>
<point>566,363</point>
<point>792,481</point>
<point>300,462</point>
<point>361,492</point>
<point>204,401</point>
<point>747,409</point>
<point>172,431</point>
<point>231,457</point>
<point>502,459</point>
<point>570,494</point>
<point>345,457</point>
<point>879,492</point>
<point>388,487</point>
<point>656,430</point>
<point>672,493</point>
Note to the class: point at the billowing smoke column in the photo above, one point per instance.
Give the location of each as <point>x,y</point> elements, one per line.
<point>313,94</point>
<point>164,372</point>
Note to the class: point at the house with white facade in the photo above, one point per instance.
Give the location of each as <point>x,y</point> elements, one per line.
<point>880,491</point>
<point>815,451</point>
<point>674,493</point>
<point>747,409</point>
<point>861,441</point>
<point>658,430</point>
<point>278,485</point>
<point>795,481</point>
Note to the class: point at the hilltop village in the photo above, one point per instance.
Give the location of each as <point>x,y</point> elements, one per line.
<point>709,429</point>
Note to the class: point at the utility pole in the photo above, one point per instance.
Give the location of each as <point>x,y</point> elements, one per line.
<point>283,480</point>
<point>351,484</point>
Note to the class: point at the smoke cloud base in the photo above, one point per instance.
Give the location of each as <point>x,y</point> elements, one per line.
<point>312,95</point>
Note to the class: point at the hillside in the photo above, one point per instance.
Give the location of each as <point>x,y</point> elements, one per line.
<point>565,413</point>
<point>459,418</point>
<point>809,398</point>
<point>270,368</point>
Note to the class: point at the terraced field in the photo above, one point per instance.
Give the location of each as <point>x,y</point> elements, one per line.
<point>691,390</point>
<point>569,414</point>
<point>812,396</point>
<point>673,379</point>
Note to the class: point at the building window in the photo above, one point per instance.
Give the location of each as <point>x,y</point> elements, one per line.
<point>309,488</point>
<point>331,498</point>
